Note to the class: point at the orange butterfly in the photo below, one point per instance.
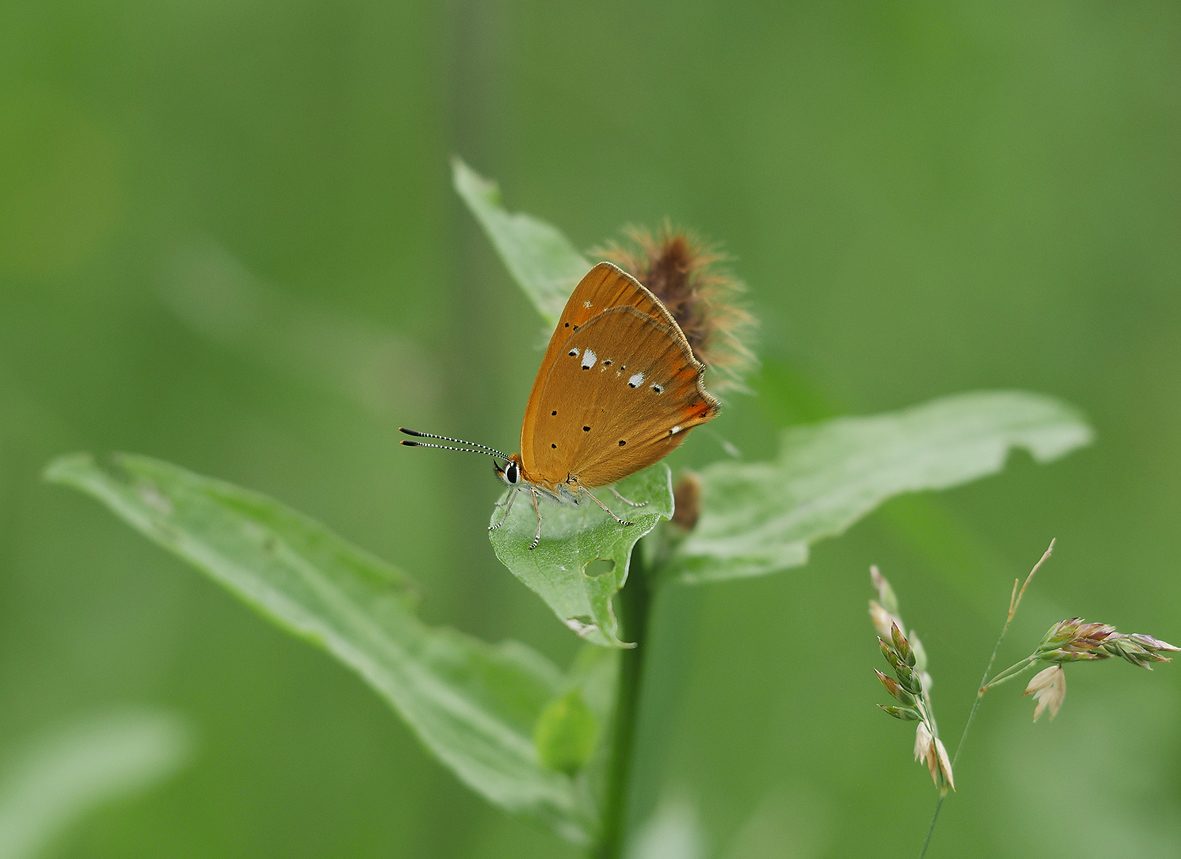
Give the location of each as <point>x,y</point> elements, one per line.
<point>617,390</point>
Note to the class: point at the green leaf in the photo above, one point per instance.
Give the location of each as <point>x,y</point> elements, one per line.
<point>542,260</point>
<point>63,774</point>
<point>759,518</point>
<point>584,554</point>
<point>567,733</point>
<point>472,704</point>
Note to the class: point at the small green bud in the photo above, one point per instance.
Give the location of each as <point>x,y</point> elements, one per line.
<point>895,688</point>
<point>910,681</point>
<point>906,714</point>
<point>901,644</point>
<point>890,654</point>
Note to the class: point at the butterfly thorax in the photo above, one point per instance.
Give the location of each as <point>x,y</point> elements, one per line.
<point>515,476</point>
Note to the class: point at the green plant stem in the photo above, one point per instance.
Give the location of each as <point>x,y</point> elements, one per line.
<point>1014,604</point>
<point>1014,670</point>
<point>959,747</point>
<point>635,604</point>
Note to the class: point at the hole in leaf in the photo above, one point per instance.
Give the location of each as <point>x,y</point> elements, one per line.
<point>599,567</point>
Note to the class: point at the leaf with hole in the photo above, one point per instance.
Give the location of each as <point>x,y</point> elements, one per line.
<point>584,554</point>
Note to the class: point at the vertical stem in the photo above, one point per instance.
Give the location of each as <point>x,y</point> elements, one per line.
<point>1014,604</point>
<point>959,747</point>
<point>634,604</point>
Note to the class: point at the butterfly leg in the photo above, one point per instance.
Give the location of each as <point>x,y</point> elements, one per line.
<point>537,512</point>
<point>625,500</point>
<point>605,508</point>
<point>507,504</point>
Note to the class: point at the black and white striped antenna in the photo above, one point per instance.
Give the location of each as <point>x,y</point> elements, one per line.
<point>468,446</point>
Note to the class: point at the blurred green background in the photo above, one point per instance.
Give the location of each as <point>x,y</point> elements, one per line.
<point>228,239</point>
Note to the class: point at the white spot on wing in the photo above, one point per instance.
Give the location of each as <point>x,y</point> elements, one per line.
<point>586,304</point>
<point>588,359</point>
<point>635,380</point>
<point>675,430</point>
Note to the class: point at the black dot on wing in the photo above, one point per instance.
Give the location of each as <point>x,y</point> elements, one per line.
<point>554,446</point>
<point>622,442</point>
<point>554,413</point>
<point>567,325</point>
<point>586,429</point>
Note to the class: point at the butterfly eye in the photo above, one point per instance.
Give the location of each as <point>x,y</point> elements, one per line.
<point>511,474</point>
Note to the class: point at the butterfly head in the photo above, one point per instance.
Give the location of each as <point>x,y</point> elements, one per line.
<point>511,472</point>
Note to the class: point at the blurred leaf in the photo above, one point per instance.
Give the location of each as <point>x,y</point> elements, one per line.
<point>584,554</point>
<point>674,830</point>
<point>69,770</point>
<point>474,705</point>
<point>759,518</point>
<point>542,260</point>
<point>213,294</point>
<point>594,674</point>
<point>566,733</point>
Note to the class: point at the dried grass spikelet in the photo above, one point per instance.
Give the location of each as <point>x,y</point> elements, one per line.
<point>1048,688</point>
<point>930,751</point>
<point>684,273</point>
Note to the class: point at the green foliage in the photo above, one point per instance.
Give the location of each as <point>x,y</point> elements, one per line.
<point>584,555</point>
<point>540,258</point>
<point>65,772</point>
<point>761,517</point>
<point>503,718</point>
<point>566,733</point>
<point>472,704</point>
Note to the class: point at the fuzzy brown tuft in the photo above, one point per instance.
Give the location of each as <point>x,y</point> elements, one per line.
<point>687,501</point>
<point>684,274</point>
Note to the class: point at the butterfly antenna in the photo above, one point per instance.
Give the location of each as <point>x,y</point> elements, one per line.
<point>469,446</point>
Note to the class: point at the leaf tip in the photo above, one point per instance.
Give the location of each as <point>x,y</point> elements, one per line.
<point>63,469</point>
<point>468,183</point>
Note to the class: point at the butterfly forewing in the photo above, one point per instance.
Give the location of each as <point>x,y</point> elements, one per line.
<point>605,286</point>
<point>620,394</point>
